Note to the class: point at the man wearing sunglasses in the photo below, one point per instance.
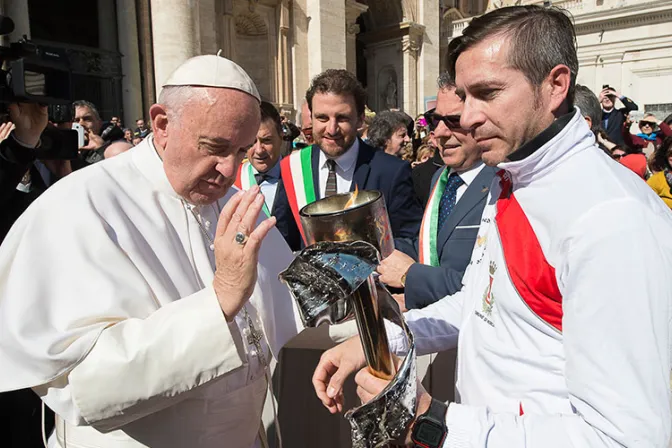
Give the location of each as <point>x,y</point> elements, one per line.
<point>431,266</point>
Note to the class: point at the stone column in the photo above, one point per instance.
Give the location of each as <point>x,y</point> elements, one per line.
<point>175,36</point>
<point>227,30</point>
<point>326,35</point>
<point>146,55</point>
<point>283,79</point>
<point>131,83</point>
<point>352,11</point>
<point>411,44</point>
<point>430,57</point>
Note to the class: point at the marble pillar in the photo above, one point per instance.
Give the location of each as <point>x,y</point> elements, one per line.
<point>411,45</point>
<point>131,83</point>
<point>283,68</point>
<point>175,36</point>
<point>326,35</point>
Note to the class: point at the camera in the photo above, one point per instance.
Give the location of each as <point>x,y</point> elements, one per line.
<point>32,73</point>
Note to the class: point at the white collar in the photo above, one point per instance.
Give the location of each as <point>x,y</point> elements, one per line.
<point>346,160</point>
<point>574,137</point>
<point>469,175</point>
<point>148,161</point>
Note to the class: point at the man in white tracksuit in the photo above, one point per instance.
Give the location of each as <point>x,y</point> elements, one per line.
<point>563,322</point>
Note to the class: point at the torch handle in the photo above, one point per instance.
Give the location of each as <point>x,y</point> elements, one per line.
<point>372,332</point>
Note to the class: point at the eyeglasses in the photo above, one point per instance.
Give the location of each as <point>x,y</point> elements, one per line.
<point>433,120</point>
<point>617,156</point>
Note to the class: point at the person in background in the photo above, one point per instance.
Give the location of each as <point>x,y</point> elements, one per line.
<point>425,152</point>
<point>637,163</point>
<point>612,118</point>
<point>116,148</point>
<point>262,167</point>
<point>363,132</point>
<point>649,138</point>
<point>128,135</point>
<point>137,140</point>
<point>116,121</point>
<point>388,131</point>
<point>661,181</point>
<point>306,124</point>
<point>141,131</point>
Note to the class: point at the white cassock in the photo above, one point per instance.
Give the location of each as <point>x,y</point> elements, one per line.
<point>107,310</point>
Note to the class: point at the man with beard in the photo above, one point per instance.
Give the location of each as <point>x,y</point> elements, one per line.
<point>339,161</point>
<point>554,349</point>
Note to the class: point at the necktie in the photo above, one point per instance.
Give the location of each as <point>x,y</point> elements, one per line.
<point>331,179</point>
<point>261,177</point>
<point>449,198</point>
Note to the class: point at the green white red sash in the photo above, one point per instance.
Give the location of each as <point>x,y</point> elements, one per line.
<point>245,180</point>
<point>429,254</point>
<point>297,178</point>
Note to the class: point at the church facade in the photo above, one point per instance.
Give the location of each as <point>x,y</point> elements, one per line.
<point>396,47</point>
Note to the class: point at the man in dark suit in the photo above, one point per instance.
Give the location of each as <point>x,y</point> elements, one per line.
<point>612,118</point>
<point>339,161</point>
<point>262,167</point>
<point>431,265</point>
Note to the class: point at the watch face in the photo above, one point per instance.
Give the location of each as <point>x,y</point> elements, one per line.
<point>428,433</point>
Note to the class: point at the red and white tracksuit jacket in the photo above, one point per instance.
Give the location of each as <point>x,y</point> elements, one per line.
<point>564,316</point>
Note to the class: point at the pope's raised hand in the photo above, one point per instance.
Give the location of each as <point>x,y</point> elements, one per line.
<point>236,263</point>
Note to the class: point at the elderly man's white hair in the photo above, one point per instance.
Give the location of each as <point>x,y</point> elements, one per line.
<point>174,98</point>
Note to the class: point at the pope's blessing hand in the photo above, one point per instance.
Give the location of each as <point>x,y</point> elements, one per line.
<point>236,264</point>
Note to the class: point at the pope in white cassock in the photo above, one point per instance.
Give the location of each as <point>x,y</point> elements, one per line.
<point>135,294</point>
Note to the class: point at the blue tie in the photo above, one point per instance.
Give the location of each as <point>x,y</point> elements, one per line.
<point>449,198</point>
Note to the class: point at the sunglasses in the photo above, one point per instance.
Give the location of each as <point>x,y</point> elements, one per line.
<point>617,156</point>
<point>433,120</point>
<point>646,123</point>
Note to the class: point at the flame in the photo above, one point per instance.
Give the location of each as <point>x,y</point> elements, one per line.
<point>353,198</point>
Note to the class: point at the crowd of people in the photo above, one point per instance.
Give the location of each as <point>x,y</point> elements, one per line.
<point>140,300</point>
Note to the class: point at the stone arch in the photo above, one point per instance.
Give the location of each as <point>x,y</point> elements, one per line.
<point>251,24</point>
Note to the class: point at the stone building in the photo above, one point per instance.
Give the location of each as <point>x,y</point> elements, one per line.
<point>121,50</point>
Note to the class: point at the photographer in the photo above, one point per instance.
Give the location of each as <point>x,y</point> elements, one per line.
<point>20,411</point>
<point>612,118</point>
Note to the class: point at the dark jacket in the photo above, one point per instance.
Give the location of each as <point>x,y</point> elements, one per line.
<point>427,284</point>
<point>423,174</point>
<point>374,170</point>
<point>616,119</point>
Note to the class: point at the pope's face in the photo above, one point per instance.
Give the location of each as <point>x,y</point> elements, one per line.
<point>206,143</point>
<point>266,150</point>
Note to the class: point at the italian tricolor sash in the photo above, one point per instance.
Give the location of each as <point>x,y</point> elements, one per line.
<point>297,177</point>
<point>429,255</point>
<point>245,180</point>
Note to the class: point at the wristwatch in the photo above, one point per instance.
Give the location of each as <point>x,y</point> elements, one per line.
<point>402,280</point>
<point>430,430</point>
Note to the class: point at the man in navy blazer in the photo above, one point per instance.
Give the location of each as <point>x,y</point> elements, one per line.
<point>457,210</point>
<point>339,160</point>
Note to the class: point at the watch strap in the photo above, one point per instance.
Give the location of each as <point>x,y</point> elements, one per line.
<point>438,410</point>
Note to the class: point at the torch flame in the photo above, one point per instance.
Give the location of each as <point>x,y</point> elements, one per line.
<point>353,198</point>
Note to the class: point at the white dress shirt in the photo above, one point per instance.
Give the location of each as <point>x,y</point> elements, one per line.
<point>269,186</point>
<point>467,178</point>
<point>345,169</point>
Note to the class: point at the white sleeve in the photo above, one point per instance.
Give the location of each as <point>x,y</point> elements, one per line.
<point>435,327</point>
<point>140,366</point>
<point>616,304</point>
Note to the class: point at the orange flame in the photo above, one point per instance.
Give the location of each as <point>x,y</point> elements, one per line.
<point>353,198</point>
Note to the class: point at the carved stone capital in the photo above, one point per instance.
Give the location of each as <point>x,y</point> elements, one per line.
<point>353,10</point>
<point>353,28</point>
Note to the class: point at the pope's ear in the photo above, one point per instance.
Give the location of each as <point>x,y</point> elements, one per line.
<point>159,117</point>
